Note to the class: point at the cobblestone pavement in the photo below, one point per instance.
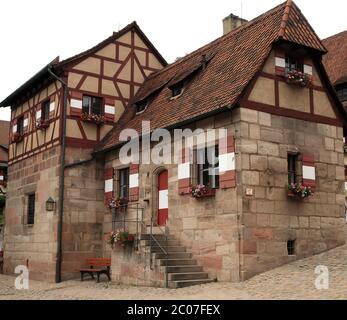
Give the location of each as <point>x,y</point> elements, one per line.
<point>293,281</point>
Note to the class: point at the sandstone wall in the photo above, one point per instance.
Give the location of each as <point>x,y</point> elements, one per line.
<point>269,217</point>
<point>32,245</point>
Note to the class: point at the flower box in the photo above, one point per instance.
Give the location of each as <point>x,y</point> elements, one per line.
<point>118,204</point>
<point>17,138</point>
<point>93,118</point>
<point>42,125</point>
<point>299,190</point>
<point>201,191</point>
<point>299,78</point>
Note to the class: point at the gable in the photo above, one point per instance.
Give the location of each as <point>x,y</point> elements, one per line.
<point>271,93</point>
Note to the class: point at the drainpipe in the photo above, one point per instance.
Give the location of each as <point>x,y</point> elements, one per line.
<point>61,180</point>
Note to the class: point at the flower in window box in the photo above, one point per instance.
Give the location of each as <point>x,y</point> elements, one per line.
<point>93,118</point>
<point>42,124</point>
<point>202,191</point>
<point>118,203</point>
<point>299,190</point>
<point>17,137</point>
<point>299,78</point>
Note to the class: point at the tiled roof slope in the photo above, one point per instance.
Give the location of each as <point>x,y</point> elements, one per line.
<point>335,61</point>
<point>237,57</point>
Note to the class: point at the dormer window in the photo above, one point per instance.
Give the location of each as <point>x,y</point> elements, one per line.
<point>177,89</point>
<point>342,93</point>
<point>141,106</point>
<point>294,64</point>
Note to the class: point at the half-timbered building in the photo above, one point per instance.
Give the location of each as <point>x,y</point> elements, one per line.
<point>274,195</point>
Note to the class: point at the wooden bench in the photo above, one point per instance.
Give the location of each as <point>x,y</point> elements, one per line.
<point>97,266</point>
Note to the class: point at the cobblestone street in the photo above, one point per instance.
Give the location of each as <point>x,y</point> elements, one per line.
<point>293,281</point>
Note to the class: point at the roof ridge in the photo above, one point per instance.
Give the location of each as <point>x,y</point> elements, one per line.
<point>221,39</point>
<point>285,18</point>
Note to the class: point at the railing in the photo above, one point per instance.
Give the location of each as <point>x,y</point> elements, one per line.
<point>140,224</point>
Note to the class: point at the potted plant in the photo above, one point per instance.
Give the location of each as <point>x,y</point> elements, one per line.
<point>93,118</point>
<point>121,237</point>
<point>299,190</point>
<point>298,78</point>
<point>17,137</point>
<point>202,191</point>
<point>42,124</point>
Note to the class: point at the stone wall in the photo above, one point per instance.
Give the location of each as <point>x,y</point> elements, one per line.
<point>269,217</point>
<point>32,245</point>
<point>206,227</point>
<point>84,211</point>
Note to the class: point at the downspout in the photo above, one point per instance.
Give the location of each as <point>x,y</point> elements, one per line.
<point>61,179</point>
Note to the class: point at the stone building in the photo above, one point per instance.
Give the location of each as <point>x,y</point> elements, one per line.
<point>262,82</point>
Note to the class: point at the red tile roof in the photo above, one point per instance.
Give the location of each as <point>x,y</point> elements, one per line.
<point>335,61</point>
<point>236,58</point>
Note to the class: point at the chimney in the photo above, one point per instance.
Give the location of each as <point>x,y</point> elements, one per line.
<point>232,22</point>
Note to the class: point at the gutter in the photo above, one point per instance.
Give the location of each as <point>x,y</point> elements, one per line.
<point>61,179</point>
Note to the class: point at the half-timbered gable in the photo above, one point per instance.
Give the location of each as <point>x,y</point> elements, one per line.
<point>112,72</point>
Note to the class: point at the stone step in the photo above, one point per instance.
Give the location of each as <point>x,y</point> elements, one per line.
<point>187,283</point>
<point>173,255</point>
<point>183,269</point>
<point>156,236</point>
<point>188,276</point>
<point>168,249</point>
<point>177,262</point>
<point>163,243</point>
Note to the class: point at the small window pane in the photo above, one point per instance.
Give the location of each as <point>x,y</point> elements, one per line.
<point>208,166</point>
<point>292,159</point>
<point>31,209</point>
<point>45,110</point>
<point>96,106</point>
<point>124,183</point>
<point>20,125</point>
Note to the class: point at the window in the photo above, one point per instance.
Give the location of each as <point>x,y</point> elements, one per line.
<point>177,89</point>
<point>291,247</point>
<point>208,167</point>
<point>342,94</point>
<point>294,64</point>
<point>292,160</point>
<point>20,125</point>
<point>92,105</point>
<point>124,183</point>
<point>141,106</point>
<point>45,110</point>
<point>31,209</point>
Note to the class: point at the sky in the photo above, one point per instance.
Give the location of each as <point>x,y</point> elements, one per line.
<point>33,33</point>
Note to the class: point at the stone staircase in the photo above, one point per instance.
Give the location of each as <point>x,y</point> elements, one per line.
<point>182,270</point>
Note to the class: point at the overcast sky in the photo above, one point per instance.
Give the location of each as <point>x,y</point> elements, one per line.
<point>34,32</point>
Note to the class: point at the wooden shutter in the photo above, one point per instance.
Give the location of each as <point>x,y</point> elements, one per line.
<point>227,172</point>
<point>134,183</point>
<point>52,107</point>
<point>184,172</point>
<point>2,177</point>
<point>108,177</point>
<point>308,171</point>
<point>280,62</point>
<point>76,102</point>
<point>109,110</point>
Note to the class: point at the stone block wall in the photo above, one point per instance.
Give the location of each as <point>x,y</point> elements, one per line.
<point>269,217</point>
<point>32,245</point>
<point>84,212</point>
